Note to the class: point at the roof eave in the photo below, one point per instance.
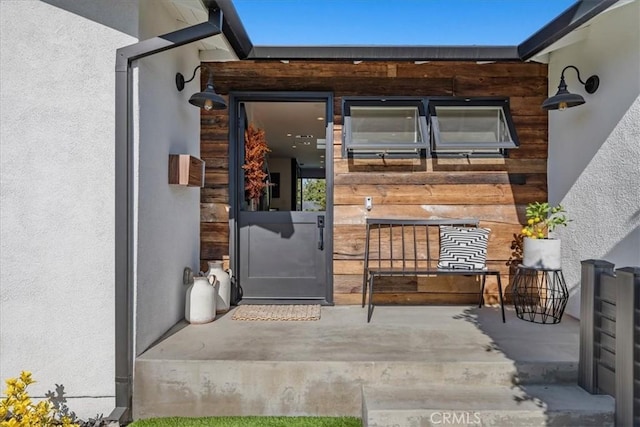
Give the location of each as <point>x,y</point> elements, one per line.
<point>572,18</point>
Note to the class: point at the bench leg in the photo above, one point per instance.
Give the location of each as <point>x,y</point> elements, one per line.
<point>370,308</point>
<point>364,287</point>
<point>484,279</point>
<point>500,295</point>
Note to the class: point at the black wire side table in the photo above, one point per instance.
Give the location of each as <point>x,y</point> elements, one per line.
<point>539,295</point>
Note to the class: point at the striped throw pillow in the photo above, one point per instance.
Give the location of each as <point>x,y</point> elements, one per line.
<point>463,248</point>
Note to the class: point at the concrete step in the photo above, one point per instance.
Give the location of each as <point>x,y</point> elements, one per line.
<point>466,405</point>
<point>197,387</point>
<point>543,372</point>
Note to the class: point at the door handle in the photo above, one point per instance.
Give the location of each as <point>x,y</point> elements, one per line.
<point>321,232</point>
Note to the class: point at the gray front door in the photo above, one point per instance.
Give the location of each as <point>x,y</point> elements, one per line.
<point>284,248</point>
<point>282,255</point>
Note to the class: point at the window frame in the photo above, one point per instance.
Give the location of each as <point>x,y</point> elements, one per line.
<point>385,148</point>
<point>474,149</point>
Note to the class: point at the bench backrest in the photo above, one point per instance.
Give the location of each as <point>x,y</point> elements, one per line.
<point>406,245</point>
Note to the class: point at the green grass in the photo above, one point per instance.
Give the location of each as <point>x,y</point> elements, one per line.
<point>250,422</point>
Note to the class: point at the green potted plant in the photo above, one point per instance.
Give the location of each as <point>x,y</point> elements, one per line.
<point>539,250</point>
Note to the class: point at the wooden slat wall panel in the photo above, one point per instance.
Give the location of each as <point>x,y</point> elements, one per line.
<point>435,178</point>
<point>353,284</point>
<point>417,298</point>
<point>214,212</point>
<point>214,196</point>
<point>488,189</point>
<point>444,194</point>
<point>508,215</point>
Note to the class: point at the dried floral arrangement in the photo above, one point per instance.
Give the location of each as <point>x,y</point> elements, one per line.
<point>255,148</point>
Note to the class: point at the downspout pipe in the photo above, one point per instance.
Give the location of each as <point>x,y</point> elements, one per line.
<point>124,201</point>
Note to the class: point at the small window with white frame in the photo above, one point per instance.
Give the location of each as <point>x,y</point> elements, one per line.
<point>471,126</point>
<point>384,126</point>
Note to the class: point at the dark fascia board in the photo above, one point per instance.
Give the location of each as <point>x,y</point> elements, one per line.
<point>232,27</point>
<point>576,15</point>
<point>381,53</point>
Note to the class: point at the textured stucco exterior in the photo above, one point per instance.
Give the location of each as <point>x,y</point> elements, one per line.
<point>594,149</point>
<point>168,216</point>
<point>57,63</point>
<point>57,200</point>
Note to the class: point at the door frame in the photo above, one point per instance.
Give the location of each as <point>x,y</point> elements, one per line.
<point>236,187</point>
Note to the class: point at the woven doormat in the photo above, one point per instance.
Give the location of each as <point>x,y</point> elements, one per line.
<point>277,312</point>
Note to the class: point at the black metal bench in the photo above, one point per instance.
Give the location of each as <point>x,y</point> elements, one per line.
<point>406,247</point>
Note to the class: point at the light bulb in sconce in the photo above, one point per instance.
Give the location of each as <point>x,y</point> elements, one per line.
<point>564,99</point>
<point>208,99</point>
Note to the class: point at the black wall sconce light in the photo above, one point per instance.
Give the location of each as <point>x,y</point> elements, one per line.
<point>564,99</point>
<point>208,98</point>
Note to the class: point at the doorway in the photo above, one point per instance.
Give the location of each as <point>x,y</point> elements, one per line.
<point>281,240</point>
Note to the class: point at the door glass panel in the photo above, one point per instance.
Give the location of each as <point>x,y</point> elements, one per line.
<point>312,194</point>
<point>295,133</point>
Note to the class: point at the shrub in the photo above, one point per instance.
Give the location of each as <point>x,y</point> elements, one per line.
<point>18,410</point>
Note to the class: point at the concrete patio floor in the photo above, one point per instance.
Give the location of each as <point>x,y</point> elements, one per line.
<point>396,333</point>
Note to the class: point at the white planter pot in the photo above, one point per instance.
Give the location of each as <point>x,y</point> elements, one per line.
<point>200,304</point>
<point>223,284</point>
<point>542,253</point>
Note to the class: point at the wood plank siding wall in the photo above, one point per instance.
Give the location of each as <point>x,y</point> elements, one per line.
<point>449,188</point>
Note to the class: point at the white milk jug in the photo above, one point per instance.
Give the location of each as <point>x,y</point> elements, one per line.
<point>223,284</point>
<point>200,304</point>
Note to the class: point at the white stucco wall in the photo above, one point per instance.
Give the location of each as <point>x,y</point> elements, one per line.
<point>594,149</point>
<point>57,62</point>
<point>168,218</point>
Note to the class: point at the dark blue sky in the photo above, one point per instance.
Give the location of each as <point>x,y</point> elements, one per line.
<point>395,22</point>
